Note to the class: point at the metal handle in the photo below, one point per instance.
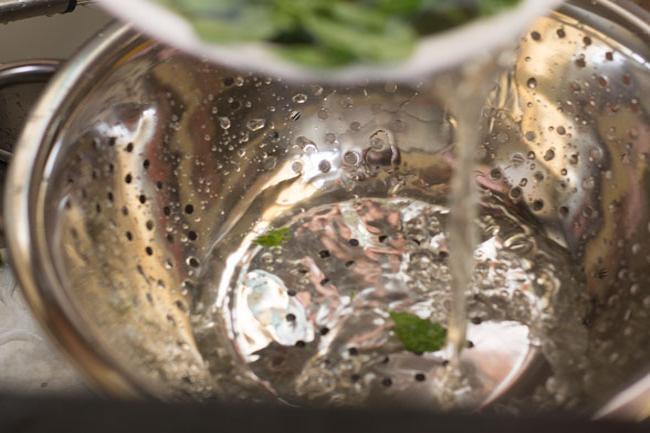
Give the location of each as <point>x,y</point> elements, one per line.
<point>13,10</point>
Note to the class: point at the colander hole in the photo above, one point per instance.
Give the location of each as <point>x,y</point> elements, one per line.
<point>291,292</point>
<point>128,178</point>
<point>470,344</point>
<point>129,147</point>
<point>420,377</point>
<point>290,317</point>
<point>109,196</point>
<point>353,242</point>
<point>324,330</point>
<point>159,185</point>
<point>149,225</point>
<point>149,251</point>
<point>125,211</point>
<point>149,298</point>
<point>324,254</point>
<point>112,141</point>
<point>180,305</point>
<point>349,263</point>
<point>355,377</point>
<point>167,211</point>
<point>353,351</point>
<point>387,382</point>
<point>228,81</point>
<point>536,36</point>
<point>324,281</point>
<point>129,236</point>
<point>170,238</point>
<point>142,198</point>
<point>191,235</point>
<point>146,164</point>
<point>189,209</point>
<point>193,262</point>
<point>300,344</point>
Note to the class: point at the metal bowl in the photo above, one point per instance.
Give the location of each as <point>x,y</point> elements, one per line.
<point>139,162</point>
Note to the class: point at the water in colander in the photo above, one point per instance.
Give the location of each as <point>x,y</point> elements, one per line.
<point>301,286</point>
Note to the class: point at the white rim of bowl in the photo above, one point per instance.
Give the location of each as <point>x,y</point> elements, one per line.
<point>448,48</point>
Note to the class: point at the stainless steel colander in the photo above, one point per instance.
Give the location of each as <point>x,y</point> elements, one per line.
<point>140,163</point>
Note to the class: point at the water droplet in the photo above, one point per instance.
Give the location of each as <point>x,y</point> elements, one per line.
<point>299,98</point>
<point>224,122</point>
<point>589,182</point>
<point>353,158</point>
<point>347,102</point>
<point>256,124</point>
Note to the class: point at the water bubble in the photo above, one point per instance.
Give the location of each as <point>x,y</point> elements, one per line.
<point>355,126</point>
<point>255,124</point>
<point>538,205</point>
<point>322,114</point>
<point>299,98</point>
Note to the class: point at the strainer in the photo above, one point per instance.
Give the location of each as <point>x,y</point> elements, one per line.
<point>149,191</point>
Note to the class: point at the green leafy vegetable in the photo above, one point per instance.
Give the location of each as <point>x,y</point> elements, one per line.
<point>416,334</point>
<point>328,33</point>
<point>273,238</point>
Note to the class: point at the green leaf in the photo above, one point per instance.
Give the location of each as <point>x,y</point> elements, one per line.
<point>392,43</point>
<point>416,334</point>
<point>273,238</point>
<point>248,24</point>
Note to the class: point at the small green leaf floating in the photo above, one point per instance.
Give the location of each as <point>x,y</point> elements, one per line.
<point>273,238</point>
<point>416,334</point>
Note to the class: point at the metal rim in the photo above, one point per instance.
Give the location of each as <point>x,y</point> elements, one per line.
<point>26,243</point>
<point>23,199</point>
